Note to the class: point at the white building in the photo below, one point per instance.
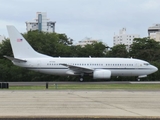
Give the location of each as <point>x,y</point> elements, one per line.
<point>88,41</point>
<point>124,38</point>
<point>2,38</point>
<point>154,32</point>
<point>41,23</point>
<point>155,36</point>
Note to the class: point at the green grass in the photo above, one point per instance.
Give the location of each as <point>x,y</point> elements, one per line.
<point>90,87</point>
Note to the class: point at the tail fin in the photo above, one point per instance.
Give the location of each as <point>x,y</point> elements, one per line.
<point>20,47</point>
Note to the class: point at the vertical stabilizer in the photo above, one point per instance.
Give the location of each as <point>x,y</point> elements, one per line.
<point>20,47</point>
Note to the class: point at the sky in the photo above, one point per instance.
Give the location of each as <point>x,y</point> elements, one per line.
<point>78,19</point>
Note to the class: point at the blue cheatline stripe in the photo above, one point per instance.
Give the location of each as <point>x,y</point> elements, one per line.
<point>95,68</point>
<point>43,68</point>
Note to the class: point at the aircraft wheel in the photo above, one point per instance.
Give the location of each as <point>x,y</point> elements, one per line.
<point>81,79</point>
<point>138,79</point>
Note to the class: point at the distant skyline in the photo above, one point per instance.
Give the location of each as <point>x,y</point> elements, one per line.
<point>97,19</point>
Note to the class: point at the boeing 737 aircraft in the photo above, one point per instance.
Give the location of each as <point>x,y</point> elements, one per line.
<point>100,68</point>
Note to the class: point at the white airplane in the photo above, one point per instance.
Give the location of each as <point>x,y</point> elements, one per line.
<point>100,68</point>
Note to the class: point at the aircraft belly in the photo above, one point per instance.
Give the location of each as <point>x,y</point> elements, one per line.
<point>134,72</point>
<point>53,71</point>
<point>126,72</point>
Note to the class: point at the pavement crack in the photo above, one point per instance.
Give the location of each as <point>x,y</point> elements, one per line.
<point>93,100</point>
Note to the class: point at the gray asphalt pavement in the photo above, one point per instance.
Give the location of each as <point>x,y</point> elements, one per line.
<point>81,104</point>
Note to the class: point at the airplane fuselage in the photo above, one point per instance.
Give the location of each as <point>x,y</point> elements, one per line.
<point>117,66</point>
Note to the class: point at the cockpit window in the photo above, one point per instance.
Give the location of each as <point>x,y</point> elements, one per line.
<point>146,64</point>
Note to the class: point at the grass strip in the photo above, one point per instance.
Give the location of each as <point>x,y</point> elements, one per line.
<point>89,87</point>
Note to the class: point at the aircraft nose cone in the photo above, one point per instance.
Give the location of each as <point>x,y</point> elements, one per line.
<point>155,69</point>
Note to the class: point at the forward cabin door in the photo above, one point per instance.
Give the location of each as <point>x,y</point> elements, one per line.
<point>136,71</point>
<point>38,65</point>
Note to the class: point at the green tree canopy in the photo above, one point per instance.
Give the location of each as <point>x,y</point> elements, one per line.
<point>5,48</point>
<point>97,49</point>
<point>52,44</point>
<point>118,51</point>
<point>146,49</point>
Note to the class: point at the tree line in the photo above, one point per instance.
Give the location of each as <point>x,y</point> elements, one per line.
<point>55,44</point>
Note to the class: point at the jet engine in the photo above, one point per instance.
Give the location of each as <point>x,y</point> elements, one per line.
<point>102,74</point>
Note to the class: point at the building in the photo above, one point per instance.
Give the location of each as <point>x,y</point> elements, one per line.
<point>155,36</point>
<point>2,38</point>
<point>124,38</point>
<point>154,29</point>
<point>41,23</point>
<point>154,32</point>
<point>89,41</point>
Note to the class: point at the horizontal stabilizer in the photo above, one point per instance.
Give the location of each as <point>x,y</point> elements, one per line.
<point>14,59</point>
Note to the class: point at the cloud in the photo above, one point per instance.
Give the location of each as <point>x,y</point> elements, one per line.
<point>98,19</point>
<point>4,23</point>
<point>151,5</point>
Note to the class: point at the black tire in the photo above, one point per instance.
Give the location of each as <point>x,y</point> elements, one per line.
<point>81,79</point>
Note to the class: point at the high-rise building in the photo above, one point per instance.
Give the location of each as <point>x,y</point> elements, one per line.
<point>2,38</point>
<point>41,23</point>
<point>154,32</point>
<point>89,41</point>
<point>124,38</point>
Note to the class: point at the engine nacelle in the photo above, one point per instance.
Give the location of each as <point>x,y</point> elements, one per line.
<point>102,74</point>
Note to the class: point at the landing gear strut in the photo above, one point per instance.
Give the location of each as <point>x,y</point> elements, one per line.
<point>81,77</point>
<point>138,79</point>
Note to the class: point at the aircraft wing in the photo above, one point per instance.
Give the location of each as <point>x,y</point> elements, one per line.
<point>78,69</point>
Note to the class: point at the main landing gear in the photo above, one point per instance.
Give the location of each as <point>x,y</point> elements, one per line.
<point>81,77</point>
<point>138,79</point>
